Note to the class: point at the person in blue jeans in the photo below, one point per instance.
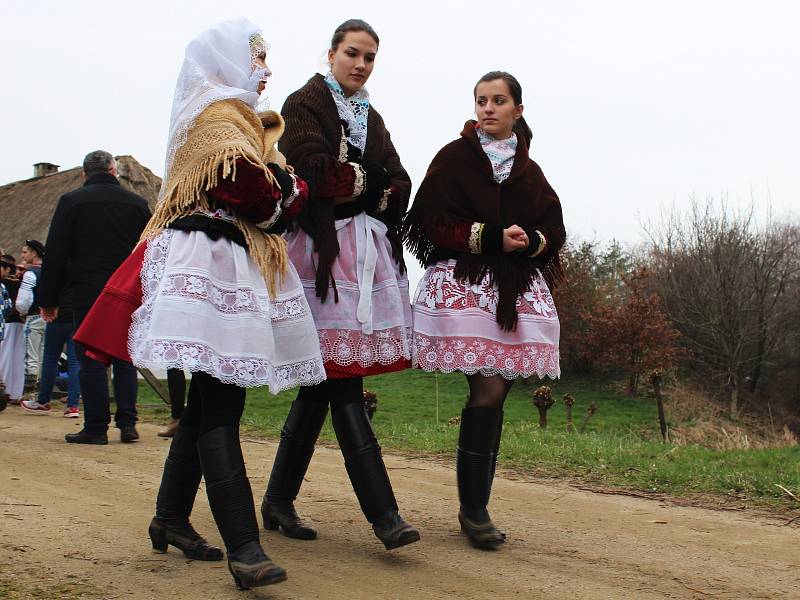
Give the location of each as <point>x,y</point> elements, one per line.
<point>58,334</point>
<point>93,230</point>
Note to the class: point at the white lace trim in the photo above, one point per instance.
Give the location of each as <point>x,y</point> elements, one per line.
<point>475,234</point>
<point>295,192</point>
<point>478,355</point>
<point>232,301</point>
<point>345,347</point>
<point>265,225</point>
<point>242,371</point>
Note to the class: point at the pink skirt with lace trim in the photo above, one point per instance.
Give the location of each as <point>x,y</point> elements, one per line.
<point>455,328</point>
<point>368,331</point>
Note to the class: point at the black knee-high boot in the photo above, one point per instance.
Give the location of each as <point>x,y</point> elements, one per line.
<point>179,483</point>
<point>364,464</point>
<point>231,501</point>
<point>476,459</point>
<point>298,438</point>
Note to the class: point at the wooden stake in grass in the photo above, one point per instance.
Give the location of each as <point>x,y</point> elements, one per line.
<point>370,403</point>
<point>655,381</point>
<point>589,414</point>
<point>543,400</point>
<point>569,402</point>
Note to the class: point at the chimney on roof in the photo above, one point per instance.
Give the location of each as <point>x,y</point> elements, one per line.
<point>44,168</point>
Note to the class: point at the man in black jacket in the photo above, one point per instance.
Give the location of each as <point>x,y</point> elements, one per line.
<point>93,230</point>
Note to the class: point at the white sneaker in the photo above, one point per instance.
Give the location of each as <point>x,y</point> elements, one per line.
<point>33,407</point>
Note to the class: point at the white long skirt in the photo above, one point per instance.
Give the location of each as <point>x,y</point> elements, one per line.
<point>205,307</point>
<point>12,359</point>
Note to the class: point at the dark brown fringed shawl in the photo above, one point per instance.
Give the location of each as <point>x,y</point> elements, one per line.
<point>459,187</point>
<point>311,144</point>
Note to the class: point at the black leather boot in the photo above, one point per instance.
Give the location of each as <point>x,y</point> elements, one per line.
<point>364,464</point>
<point>476,460</point>
<point>179,483</point>
<point>298,437</point>
<point>231,501</point>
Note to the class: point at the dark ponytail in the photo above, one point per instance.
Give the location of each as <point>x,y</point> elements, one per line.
<point>352,25</point>
<point>521,127</point>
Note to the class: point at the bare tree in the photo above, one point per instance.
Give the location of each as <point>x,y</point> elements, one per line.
<point>727,285</point>
<point>774,270</point>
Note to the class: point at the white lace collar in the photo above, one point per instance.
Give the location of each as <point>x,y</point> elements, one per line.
<point>352,110</point>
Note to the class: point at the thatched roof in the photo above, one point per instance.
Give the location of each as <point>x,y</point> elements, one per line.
<point>27,206</point>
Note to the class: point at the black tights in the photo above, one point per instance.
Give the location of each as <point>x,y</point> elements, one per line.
<point>212,404</point>
<point>488,392</point>
<point>176,382</point>
<point>336,391</point>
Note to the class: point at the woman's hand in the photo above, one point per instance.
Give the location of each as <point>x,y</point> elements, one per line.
<point>514,239</point>
<point>48,314</point>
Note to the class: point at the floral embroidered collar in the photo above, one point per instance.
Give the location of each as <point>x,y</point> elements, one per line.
<point>500,153</point>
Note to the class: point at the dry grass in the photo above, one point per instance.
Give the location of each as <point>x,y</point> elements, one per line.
<point>703,422</point>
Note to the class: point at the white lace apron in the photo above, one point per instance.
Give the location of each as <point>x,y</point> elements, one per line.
<point>205,307</point>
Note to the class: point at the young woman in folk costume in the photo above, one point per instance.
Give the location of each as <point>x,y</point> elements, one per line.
<point>488,227</point>
<point>349,256</point>
<point>210,289</point>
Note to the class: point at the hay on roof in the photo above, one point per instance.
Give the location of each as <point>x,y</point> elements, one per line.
<point>27,206</point>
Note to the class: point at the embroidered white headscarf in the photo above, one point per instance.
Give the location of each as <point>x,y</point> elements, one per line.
<point>219,65</point>
<point>353,110</point>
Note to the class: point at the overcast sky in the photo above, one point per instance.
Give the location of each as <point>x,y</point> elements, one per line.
<point>635,106</point>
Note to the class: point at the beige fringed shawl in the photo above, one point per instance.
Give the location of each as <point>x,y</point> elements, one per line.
<point>223,132</point>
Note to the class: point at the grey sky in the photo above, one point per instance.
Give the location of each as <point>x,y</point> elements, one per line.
<point>634,105</point>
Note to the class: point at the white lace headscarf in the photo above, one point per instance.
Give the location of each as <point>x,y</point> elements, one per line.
<point>353,110</point>
<point>219,65</point>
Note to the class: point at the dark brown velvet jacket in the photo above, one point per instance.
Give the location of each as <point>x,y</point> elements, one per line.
<point>311,144</point>
<point>460,188</point>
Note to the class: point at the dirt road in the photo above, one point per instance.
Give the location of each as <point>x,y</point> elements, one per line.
<point>75,517</point>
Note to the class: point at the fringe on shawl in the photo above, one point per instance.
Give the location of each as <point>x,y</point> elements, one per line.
<point>187,195</point>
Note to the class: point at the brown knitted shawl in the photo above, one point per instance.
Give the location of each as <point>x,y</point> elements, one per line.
<point>311,144</point>
<point>460,187</point>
